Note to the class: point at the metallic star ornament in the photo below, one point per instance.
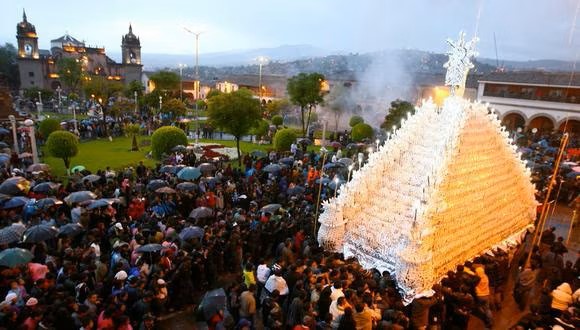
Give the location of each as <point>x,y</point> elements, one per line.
<point>459,62</point>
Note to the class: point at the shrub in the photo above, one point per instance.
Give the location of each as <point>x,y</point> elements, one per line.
<point>355,120</point>
<point>165,138</point>
<point>284,139</point>
<point>48,126</point>
<point>361,131</point>
<point>277,120</point>
<point>64,145</point>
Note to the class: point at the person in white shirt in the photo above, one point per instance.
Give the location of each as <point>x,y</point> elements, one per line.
<point>336,291</point>
<point>337,308</point>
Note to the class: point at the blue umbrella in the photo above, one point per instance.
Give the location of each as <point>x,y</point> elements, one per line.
<point>177,168</point>
<point>45,187</point>
<point>287,161</point>
<point>334,165</point>
<point>297,190</point>
<point>166,169</point>
<point>14,202</point>
<point>4,131</point>
<point>98,204</point>
<point>335,185</point>
<point>191,232</point>
<point>46,203</point>
<point>250,172</point>
<point>272,168</point>
<point>14,257</point>
<point>201,212</point>
<point>156,184</point>
<point>14,186</point>
<point>9,235</point>
<point>70,230</point>
<point>325,181</point>
<point>80,196</point>
<point>189,173</point>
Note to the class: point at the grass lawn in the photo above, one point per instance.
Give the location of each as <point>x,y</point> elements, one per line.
<point>98,154</point>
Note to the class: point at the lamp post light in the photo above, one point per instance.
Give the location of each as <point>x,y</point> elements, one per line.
<point>30,124</point>
<point>14,134</point>
<point>75,120</point>
<point>160,104</point>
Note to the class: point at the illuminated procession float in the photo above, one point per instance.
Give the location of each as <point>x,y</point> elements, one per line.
<point>444,188</point>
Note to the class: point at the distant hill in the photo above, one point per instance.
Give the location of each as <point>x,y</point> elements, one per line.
<point>154,61</point>
<point>544,65</point>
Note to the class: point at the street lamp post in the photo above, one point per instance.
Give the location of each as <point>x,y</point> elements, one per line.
<point>160,104</point>
<point>58,90</point>
<point>75,120</point>
<point>261,61</point>
<point>39,106</point>
<point>196,81</point>
<point>14,134</point>
<point>30,124</point>
<point>136,103</point>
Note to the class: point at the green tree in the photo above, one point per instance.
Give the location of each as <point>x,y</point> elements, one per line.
<point>261,129</point>
<point>355,120</point>
<point>64,145</point>
<point>174,107</point>
<point>338,101</point>
<point>277,120</point>
<point>236,113</point>
<point>70,73</point>
<point>133,130</point>
<point>121,106</point>
<point>102,90</point>
<point>284,139</point>
<point>397,111</point>
<point>48,126</point>
<point>361,131</point>
<point>151,100</point>
<point>165,80</point>
<point>9,66</point>
<point>134,86</point>
<point>277,107</point>
<point>32,93</point>
<point>165,138</point>
<point>305,91</point>
<point>212,93</point>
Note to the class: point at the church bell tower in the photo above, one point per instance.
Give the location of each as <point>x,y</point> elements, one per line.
<point>131,56</point>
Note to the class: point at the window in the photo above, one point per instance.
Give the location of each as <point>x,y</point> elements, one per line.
<point>32,82</point>
<point>31,74</point>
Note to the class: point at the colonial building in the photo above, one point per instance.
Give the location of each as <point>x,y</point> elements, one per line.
<point>38,67</point>
<point>533,99</point>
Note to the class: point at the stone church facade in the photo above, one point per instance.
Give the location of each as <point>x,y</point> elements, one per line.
<point>38,67</point>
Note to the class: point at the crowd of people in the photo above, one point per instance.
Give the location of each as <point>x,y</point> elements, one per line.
<point>159,243</point>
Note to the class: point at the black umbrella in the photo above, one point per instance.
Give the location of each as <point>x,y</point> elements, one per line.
<point>70,230</point>
<point>38,167</point>
<point>287,161</point>
<point>179,148</point>
<point>15,186</point>
<point>39,233</point>
<point>213,302</point>
<point>153,247</point>
<point>304,141</point>
<point>201,212</point>
<point>10,234</point>
<point>297,190</point>
<point>4,131</point>
<point>80,196</point>
<point>206,167</point>
<point>14,257</point>
<point>186,186</point>
<point>45,187</point>
<point>334,165</point>
<point>272,168</point>
<point>92,178</point>
<point>191,232</point>
<point>4,145</point>
<point>346,161</point>
<point>156,184</point>
<point>271,208</point>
